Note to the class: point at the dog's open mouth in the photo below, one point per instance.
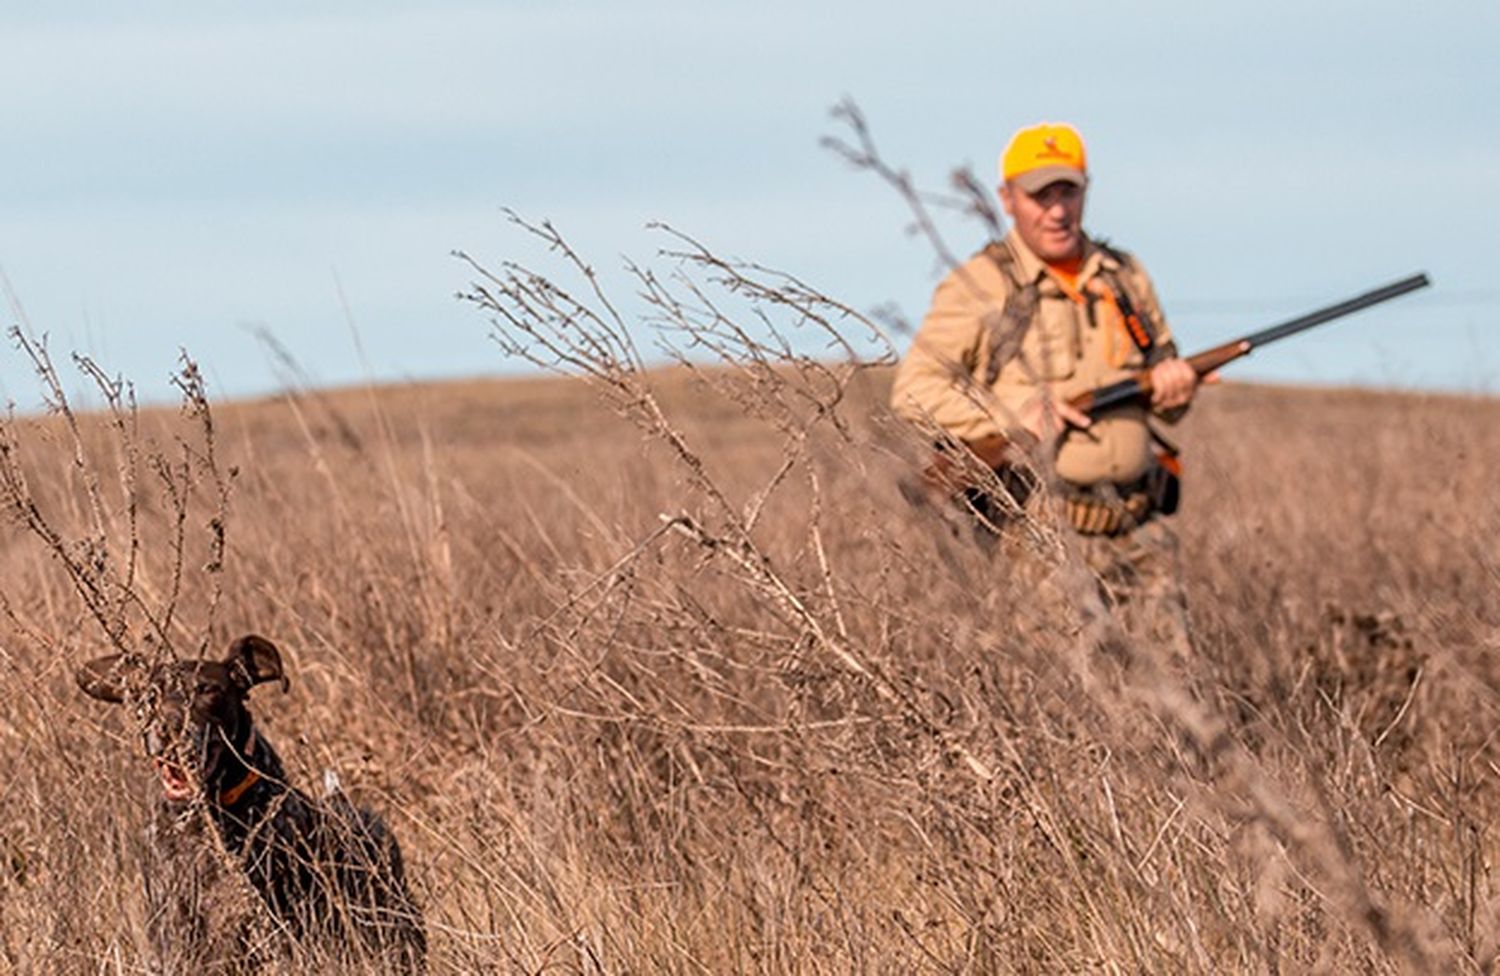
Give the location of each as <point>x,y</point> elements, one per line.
<point>175,782</point>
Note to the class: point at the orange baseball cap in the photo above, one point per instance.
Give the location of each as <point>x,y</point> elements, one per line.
<point>1044,154</point>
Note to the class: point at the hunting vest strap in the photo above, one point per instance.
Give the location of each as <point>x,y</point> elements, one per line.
<point>1008,329</point>
<point>1141,332</point>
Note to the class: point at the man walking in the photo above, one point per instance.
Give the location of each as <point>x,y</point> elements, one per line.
<point>1035,319</point>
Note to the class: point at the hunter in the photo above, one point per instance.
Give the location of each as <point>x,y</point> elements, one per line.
<point>1035,319</point>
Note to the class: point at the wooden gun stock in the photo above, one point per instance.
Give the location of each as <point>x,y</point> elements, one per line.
<point>943,475</point>
<point>1138,386</point>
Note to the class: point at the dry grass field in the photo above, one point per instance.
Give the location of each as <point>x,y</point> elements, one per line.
<point>846,741</point>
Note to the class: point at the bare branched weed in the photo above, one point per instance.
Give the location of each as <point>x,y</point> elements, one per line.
<point>118,486</point>
<point>134,530</point>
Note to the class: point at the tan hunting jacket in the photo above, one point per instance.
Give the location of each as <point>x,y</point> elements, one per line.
<point>1075,344</point>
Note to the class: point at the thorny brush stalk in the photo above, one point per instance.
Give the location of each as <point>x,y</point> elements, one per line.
<point>542,322</point>
<point>104,560</point>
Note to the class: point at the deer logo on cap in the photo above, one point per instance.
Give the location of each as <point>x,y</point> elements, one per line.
<point>1050,150</point>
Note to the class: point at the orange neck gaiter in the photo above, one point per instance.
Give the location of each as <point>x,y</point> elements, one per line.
<point>1066,272</point>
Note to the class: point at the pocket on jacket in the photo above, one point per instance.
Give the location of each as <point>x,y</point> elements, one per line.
<point>1048,349</point>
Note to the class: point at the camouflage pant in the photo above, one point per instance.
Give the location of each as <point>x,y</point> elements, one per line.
<point>1136,575</point>
<point>1139,575</point>
<point>1133,578</point>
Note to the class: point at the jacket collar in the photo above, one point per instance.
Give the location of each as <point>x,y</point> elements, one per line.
<point>1034,269</point>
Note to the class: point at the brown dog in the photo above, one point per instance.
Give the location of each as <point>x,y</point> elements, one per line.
<point>329,872</point>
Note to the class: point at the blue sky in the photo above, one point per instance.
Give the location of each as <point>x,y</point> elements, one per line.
<point>174,175</point>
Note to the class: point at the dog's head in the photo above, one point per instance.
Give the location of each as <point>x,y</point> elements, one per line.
<point>192,712</point>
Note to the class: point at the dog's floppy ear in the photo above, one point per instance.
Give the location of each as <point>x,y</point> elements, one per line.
<point>107,678</point>
<point>253,660</point>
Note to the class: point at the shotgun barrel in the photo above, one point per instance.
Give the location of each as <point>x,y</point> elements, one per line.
<point>1117,394</point>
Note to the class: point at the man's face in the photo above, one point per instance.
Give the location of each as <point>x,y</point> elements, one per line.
<point>1050,220</point>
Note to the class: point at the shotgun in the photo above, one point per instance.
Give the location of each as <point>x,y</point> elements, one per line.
<point>992,449</point>
<point>1103,398</point>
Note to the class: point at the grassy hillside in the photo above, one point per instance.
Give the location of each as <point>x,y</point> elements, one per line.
<point>855,743</point>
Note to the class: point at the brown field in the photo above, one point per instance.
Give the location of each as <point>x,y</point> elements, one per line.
<point>846,745</point>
